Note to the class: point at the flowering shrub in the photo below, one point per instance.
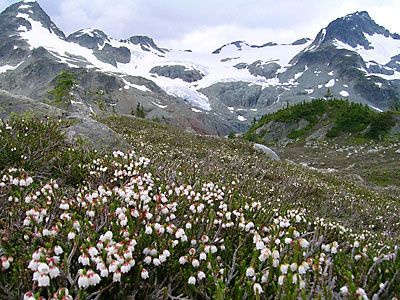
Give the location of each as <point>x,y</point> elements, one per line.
<point>128,230</point>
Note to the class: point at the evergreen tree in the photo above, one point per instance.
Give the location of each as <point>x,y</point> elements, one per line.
<point>328,94</point>
<point>140,111</point>
<point>63,87</point>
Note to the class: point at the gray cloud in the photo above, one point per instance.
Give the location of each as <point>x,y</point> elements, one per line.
<point>207,24</point>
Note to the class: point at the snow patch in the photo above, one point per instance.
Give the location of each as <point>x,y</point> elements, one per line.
<point>330,83</point>
<point>159,105</point>
<point>344,93</point>
<point>196,110</point>
<point>241,118</point>
<point>309,91</point>
<point>377,109</point>
<point>6,68</point>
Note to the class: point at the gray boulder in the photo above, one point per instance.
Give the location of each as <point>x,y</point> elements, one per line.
<point>267,151</point>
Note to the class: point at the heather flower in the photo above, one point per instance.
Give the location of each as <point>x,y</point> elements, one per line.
<point>257,289</point>
<point>144,274</point>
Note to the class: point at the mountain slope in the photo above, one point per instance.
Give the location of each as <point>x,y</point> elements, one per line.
<point>216,93</point>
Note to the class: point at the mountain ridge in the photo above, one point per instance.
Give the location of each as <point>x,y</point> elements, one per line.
<point>228,87</point>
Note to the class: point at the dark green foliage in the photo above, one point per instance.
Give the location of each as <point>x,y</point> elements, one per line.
<point>380,125</point>
<point>329,94</point>
<point>63,86</point>
<point>346,117</point>
<point>38,146</point>
<point>140,111</point>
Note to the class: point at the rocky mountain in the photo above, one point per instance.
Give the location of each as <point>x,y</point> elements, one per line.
<point>216,93</point>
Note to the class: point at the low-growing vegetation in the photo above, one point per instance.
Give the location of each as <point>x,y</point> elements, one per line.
<point>344,116</point>
<point>183,217</point>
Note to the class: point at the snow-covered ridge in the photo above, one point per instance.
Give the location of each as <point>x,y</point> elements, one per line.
<point>215,67</point>
<point>89,47</point>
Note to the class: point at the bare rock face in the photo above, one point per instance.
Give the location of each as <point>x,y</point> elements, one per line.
<point>84,129</point>
<point>176,71</point>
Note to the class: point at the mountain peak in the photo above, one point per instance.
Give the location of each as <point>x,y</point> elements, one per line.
<point>90,38</point>
<point>24,13</point>
<point>352,30</point>
<point>145,42</point>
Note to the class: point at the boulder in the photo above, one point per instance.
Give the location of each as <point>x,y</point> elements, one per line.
<point>267,151</point>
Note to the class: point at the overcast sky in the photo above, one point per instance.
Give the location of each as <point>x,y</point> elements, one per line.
<point>207,24</point>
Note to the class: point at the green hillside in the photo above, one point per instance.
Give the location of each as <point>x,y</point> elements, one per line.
<point>185,216</point>
<point>341,117</point>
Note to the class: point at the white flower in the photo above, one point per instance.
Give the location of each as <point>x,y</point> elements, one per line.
<point>288,241</point>
<point>275,263</point>
<point>43,268</point>
<point>148,230</point>
<point>344,290</point>
<point>275,254</point>
<point>166,253</point>
<point>147,260</point>
<point>84,260</point>
<point>117,276</point>
<point>260,245</point>
<point>104,272</point>
<point>293,267</point>
<point>156,262</point>
<point>125,268</point>
<point>302,284</point>
<point>195,263</point>
<point>54,272</point>
<point>58,250</point>
<point>36,255</point>
<point>257,289</point>
<point>182,260</point>
<point>93,251</point>
<point>94,278</point>
<point>192,280</point>
<point>302,270</point>
<point>83,281</point>
<point>35,276</point>
<point>250,272</point>
<point>144,274</point>
<point>29,296</point>
<point>203,256</point>
<point>201,275</point>
<point>281,279</point>
<point>43,280</point>
<point>33,265</point>
<point>5,263</point>
<point>360,292</point>
<point>304,243</point>
<point>284,268</point>
<point>71,235</point>
<point>64,206</point>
